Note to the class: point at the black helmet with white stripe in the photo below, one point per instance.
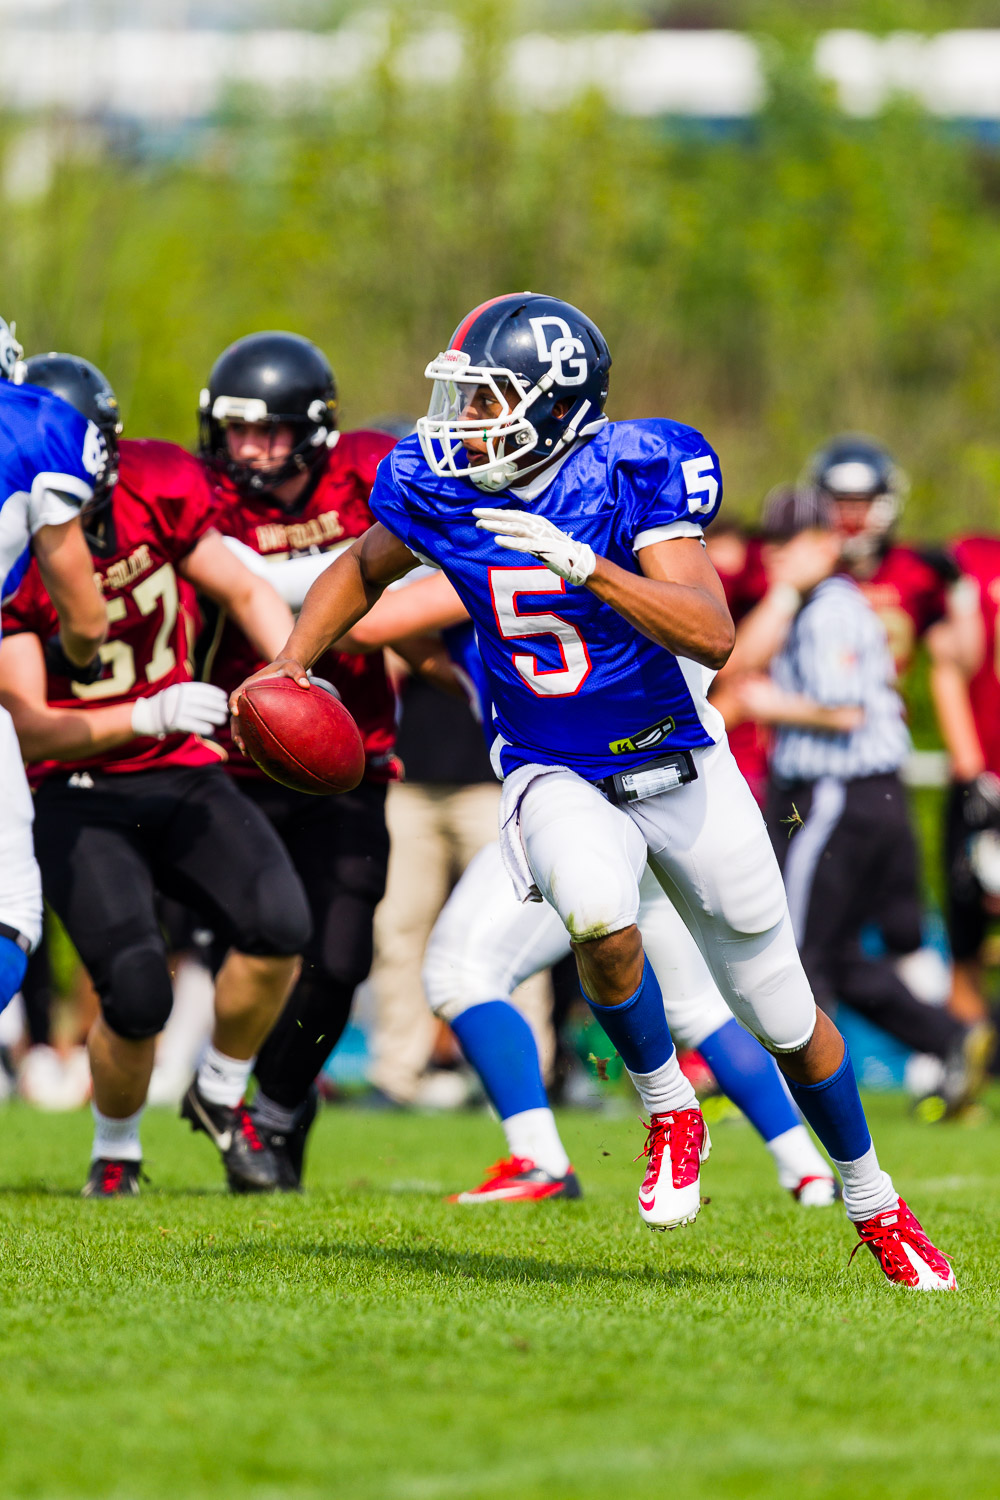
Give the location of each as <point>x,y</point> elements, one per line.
<point>268,379</point>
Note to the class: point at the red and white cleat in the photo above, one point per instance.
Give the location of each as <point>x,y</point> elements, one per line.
<point>816,1192</point>
<point>676,1145</point>
<point>904,1252</point>
<point>517,1179</point>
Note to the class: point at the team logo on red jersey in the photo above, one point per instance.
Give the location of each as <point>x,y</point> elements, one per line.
<point>299,536</point>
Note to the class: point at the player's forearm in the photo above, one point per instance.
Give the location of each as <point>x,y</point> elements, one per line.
<point>427,658</point>
<point>264,618</point>
<point>337,600</point>
<point>67,571</point>
<point>685,619</point>
<point>795,711</point>
<point>69,733</point>
<point>950,695</point>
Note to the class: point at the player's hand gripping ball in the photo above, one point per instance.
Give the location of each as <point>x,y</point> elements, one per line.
<point>303,737</point>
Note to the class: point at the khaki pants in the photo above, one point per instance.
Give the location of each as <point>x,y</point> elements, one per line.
<point>435,831</point>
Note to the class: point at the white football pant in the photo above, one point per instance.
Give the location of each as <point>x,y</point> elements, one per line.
<point>20,879</point>
<point>486,942</point>
<point>708,847</point>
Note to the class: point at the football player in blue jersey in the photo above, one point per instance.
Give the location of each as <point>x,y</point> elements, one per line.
<point>601,622</point>
<point>485,943</point>
<point>50,458</point>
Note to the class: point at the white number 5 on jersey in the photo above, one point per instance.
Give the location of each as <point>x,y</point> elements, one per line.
<point>700,483</point>
<point>561,682</point>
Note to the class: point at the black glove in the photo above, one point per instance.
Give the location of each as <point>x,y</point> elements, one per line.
<point>58,664</point>
<point>981,802</point>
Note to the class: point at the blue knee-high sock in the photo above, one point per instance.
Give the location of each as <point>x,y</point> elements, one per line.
<point>834,1110</point>
<point>499,1044</point>
<point>637,1028</point>
<point>13,963</point>
<point>750,1077</point>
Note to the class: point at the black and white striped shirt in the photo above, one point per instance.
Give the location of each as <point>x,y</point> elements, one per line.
<point>838,655</point>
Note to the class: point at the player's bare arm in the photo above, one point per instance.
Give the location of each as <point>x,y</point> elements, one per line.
<point>339,598</point>
<point>764,701</point>
<point>427,604</point>
<point>679,601</point>
<point>47,733</point>
<point>954,658</point>
<point>68,574</point>
<point>256,607</point>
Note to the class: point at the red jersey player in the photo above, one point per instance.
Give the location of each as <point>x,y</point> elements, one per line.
<point>131,798</point>
<point>965,681</point>
<point>293,492</point>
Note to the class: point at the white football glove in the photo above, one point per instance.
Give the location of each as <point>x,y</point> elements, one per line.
<point>522,531</point>
<point>185,708</point>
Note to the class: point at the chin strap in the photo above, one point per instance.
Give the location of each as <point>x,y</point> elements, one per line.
<point>575,431</point>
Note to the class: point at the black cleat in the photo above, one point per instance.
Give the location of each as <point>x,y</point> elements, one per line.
<point>250,1166</point>
<point>112,1179</point>
<point>289,1146</point>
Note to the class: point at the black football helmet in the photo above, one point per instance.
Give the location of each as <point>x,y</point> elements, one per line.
<point>10,350</point>
<point>84,386</point>
<point>532,353</point>
<point>855,467</point>
<point>267,378</point>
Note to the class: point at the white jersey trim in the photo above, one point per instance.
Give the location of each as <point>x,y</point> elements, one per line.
<point>698,680</point>
<point>48,507</point>
<point>654,534</point>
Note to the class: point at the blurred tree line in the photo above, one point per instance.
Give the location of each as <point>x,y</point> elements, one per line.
<point>769,281</point>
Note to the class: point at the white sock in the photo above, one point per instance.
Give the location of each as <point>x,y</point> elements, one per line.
<point>796,1157</point>
<point>533,1134</point>
<point>222,1079</point>
<point>116,1140</point>
<point>665,1088</point>
<point>867,1189</point>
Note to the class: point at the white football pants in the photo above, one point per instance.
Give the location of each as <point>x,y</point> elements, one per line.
<point>708,847</point>
<point>20,879</point>
<point>485,943</point>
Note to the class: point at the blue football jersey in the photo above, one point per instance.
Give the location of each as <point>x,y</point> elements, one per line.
<point>571,681</point>
<point>49,455</point>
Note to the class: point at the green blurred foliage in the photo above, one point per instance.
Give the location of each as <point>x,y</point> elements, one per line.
<point>769,283</point>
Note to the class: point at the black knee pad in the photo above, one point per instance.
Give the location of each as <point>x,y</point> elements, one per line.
<point>137,994</point>
<point>342,947</point>
<point>276,921</point>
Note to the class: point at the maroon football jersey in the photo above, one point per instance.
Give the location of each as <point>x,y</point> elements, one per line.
<point>335,513</point>
<point>908,595</point>
<point>747,586</point>
<point>161,506</point>
<point>979,559</point>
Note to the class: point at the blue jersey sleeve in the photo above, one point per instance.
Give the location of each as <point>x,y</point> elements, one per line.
<point>72,453</point>
<point>388,503</point>
<point>668,482</point>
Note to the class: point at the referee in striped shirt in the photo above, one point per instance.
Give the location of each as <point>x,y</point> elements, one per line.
<point>836,808</point>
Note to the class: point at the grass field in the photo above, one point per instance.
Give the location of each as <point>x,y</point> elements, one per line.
<point>368,1340</point>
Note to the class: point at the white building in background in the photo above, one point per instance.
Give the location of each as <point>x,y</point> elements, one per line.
<point>172,60</point>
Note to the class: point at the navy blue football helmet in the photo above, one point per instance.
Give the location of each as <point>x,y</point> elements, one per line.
<point>89,390</point>
<point>855,467</point>
<point>528,355</point>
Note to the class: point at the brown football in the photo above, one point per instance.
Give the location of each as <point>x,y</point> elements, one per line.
<point>302,737</point>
